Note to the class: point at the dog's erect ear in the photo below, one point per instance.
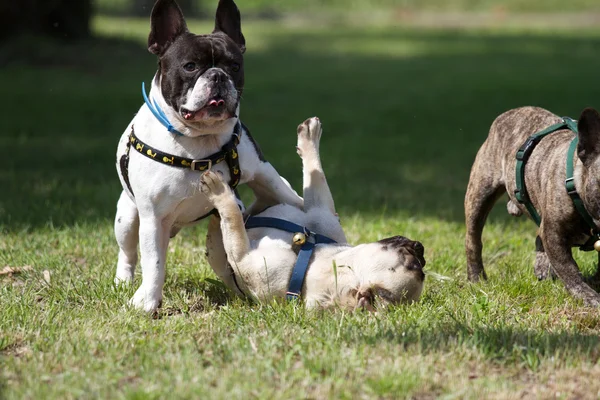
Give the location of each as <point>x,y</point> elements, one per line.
<point>167,24</point>
<point>228,21</point>
<point>588,126</point>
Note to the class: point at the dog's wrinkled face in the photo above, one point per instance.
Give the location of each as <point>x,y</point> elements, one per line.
<point>394,273</point>
<point>200,76</point>
<point>588,151</point>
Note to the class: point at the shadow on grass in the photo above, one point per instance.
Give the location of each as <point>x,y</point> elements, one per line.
<point>404,113</point>
<point>501,344</point>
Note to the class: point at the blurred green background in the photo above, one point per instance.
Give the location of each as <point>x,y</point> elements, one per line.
<point>281,6</point>
<point>70,18</point>
<point>406,97</point>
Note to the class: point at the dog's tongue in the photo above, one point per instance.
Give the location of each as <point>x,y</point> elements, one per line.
<point>190,115</point>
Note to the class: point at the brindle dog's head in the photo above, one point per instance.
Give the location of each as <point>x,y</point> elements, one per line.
<point>588,151</point>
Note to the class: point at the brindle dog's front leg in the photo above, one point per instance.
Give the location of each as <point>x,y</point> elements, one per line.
<point>561,259</point>
<point>594,280</point>
<point>220,195</point>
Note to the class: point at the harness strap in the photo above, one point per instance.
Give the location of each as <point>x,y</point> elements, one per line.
<point>124,164</point>
<point>577,200</point>
<point>158,112</point>
<point>304,255</point>
<point>521,190</point>
<point>283,225</point>
<point>228,153</point>
<point>523,155</point>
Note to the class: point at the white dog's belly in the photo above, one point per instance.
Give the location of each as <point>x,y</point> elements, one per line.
<point>272,257</point>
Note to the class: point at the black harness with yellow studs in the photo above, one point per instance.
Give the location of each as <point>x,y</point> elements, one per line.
<point>228,153</point>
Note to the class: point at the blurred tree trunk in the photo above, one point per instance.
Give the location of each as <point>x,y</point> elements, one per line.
<point>143,8</point>
<point>65,19</point>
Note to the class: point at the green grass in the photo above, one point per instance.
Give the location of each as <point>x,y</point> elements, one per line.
<point>404,112</point>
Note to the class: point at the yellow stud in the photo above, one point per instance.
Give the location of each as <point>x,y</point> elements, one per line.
<point>597,245</point>
<point>299,239</point>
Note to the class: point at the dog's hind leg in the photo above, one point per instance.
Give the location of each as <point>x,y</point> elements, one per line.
<point>316,191</point>
<point>542,267</point>
<point>220,195</point>
<point>483,191</point>
<point>127,223</point>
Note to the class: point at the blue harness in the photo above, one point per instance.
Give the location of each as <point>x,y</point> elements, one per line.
<point>304,237</point>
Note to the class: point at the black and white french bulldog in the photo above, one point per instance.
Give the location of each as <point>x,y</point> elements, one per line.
<point>196,93</point>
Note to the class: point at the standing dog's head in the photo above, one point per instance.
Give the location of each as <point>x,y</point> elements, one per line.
<point>201,77</point>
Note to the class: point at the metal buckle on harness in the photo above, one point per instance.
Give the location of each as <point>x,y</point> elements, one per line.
<point>570,186</point>
<point>521,197</point>
<point>527,148</point>
<point>194,162</point>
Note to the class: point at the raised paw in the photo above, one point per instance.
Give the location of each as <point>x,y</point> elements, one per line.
<point>214,187</point>
<point>309,135</point>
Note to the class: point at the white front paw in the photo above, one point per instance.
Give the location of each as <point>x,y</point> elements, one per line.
<point>146,300</point>
<point>124,275</point>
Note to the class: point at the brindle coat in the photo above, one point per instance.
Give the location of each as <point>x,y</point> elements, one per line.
<point>493,174</point>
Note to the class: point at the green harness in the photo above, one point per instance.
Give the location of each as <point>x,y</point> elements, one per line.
<point>521,191</point>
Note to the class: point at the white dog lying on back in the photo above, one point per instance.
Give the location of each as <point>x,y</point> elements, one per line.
<point>258,262</point>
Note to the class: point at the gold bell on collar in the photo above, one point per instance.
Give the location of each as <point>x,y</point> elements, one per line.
<point>300,238</point>
<point>597,245</point>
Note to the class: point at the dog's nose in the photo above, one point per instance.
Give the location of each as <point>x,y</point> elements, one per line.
<point>215,75</point>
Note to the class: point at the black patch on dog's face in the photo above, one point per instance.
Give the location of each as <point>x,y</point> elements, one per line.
<point>185,57</point>
<point>411,250</point>
<point>204,52</point>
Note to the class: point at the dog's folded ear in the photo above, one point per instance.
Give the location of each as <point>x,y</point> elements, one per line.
<point>167,23</point>
<point>588,126</point>
<point>228,21</point>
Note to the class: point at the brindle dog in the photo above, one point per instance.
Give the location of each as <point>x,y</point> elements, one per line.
<point>562,227</point>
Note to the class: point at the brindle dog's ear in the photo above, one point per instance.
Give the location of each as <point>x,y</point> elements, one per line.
<point>589,135</point>
<point>228,21</point>
<point>167,23</point>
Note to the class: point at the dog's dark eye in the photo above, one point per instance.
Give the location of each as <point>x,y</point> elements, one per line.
<point>385,295</point>
<point>235,67</point>
<point>190,67</point>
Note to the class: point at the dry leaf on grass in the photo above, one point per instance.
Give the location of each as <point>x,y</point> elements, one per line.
<point>46,276</point>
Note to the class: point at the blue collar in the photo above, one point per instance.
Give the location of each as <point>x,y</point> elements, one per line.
<point>305,253</point>
<point>158,113</point>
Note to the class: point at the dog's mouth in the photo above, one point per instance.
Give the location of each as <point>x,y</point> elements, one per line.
<point>215,109</point>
